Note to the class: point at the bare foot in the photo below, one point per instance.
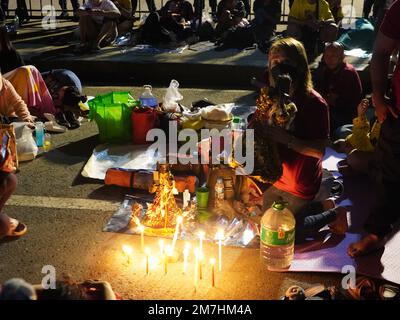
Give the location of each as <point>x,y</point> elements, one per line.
<point>340,225</point>
<point>364,246</point>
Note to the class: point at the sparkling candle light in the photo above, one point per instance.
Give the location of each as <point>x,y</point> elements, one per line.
<point>220,237</point>
<point>147,252</point>
<point>127,251</point>
<point>201,238</point>
<point>185,257</point>
<point>179,220</point>
<point>196,267</point>
<point>141,230</point>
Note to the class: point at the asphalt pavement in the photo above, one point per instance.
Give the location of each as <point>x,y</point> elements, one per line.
<point>65,215</point>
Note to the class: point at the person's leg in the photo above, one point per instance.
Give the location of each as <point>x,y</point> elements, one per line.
<point>88,30</point>
<point>213,6</point>
<point>29,84</point>
<point>2,15</point>
<point>151,5</point>
<point>367,8</point>
<point>107,31</point>
<point>385,169</point>
<point>63,5</point>
<point>8,184</point>
<point>75,4</point>
<point>359,160</point>
<point>125,27</point>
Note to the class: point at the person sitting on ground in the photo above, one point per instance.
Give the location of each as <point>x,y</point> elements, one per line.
<point>170,25</point>
<point>267,14</point>
<point>26,80</point>
<point>301,149</point>
<point>360,144</point>
<point>125,22</point>
<point>339,84</point>
<point>66,91</point>
<point>10,59</point>
<point>19,289</point>
<point>384,169</point>
<point>230,13</point>
<point>233,30</point>
<point>11,105</point>
<point>97,24</point>
<point>310,21</point>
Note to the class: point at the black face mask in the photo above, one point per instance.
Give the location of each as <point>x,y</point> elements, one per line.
<point>284,68</point>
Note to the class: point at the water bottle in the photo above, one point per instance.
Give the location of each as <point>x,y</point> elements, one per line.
<point>277,237</point>
<point>39,134</point>
<point>147,99</point>
<point>235,123</point>
<point>219,192</point>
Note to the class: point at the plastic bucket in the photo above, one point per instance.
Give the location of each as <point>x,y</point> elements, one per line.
<point>143,120</point>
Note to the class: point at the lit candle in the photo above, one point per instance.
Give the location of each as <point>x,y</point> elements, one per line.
<point>201,265</point>
<point>179,220</point>
<point>127,251</point>
<point>185,257</point>
<point>141,229</point>
<point>212,262</point>
<point>161,245</point>
<point>201,238</point>
<point>220,237</point>
<point>147,252</point>
<point>167,253</point>
<point>196,267</point>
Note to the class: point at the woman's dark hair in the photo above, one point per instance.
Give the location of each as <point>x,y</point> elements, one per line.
<point>5,43</point>
<point>65,290</point>
<point>72,97</point>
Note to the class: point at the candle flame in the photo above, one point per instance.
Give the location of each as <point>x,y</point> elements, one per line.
<point>187,247</point>
<point>201,234</point>
<point>220,234</point>
<point>127,250</point>
<point>179,219</point>
<point>141,228</point>
<point>147,251</point>
<point>212,261</point>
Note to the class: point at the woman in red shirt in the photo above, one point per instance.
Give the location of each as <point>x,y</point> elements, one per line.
<point>302,147</point>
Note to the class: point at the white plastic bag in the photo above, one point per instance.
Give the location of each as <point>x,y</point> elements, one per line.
<point>172,96</point>
<point>26,145</point>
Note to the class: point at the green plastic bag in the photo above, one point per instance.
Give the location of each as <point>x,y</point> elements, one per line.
<point>112,114</point>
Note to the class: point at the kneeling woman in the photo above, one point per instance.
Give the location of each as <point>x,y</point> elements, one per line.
<point>302,147</point>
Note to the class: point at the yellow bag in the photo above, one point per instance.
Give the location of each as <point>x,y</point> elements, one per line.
<point>8,149</point>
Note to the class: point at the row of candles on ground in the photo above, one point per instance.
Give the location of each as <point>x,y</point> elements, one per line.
<point>167,253</point>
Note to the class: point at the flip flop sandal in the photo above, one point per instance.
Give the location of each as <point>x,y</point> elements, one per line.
<point>389,292</point>
<point>19,230</point>
<point>365,290</point>
<point>294,293</point>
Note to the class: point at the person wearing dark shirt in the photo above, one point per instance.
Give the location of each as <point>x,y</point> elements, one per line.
<point>384,169</point>
<point>172,23</point>
<point>10,59</point>
<point>339,84</point>
<point>229,14</point>
<point>267,14</point>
